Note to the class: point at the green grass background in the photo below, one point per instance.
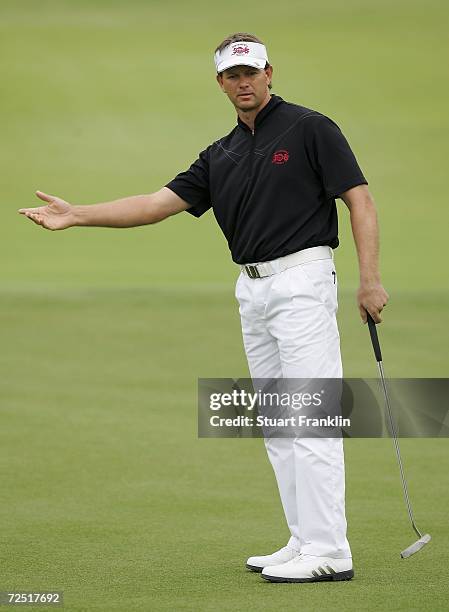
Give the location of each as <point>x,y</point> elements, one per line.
<point>106,492</point>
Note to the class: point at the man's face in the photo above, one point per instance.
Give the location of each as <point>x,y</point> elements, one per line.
<point>246,87</point>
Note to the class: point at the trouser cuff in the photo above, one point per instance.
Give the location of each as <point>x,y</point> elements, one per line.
<point>294,544</point>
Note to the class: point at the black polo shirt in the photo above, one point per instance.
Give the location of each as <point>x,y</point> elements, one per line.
<point>273,192</point>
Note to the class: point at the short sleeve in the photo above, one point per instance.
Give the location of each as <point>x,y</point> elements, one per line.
<point>332,157</point>
<point>193,185</point>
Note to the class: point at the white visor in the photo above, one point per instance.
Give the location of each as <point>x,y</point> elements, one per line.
<point>241,54</point>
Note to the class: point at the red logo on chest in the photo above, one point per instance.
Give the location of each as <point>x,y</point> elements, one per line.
<point>280,157</point>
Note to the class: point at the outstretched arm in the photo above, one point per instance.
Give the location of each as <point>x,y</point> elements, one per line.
<point>127,212</point>
<point>371,296</point>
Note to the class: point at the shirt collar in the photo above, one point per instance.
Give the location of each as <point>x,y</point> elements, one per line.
<point>274,101</point>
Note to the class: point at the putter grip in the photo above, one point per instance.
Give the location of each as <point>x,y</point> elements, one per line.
<point>374,337</point>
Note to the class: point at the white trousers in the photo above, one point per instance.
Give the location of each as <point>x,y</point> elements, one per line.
<point>290,330</point>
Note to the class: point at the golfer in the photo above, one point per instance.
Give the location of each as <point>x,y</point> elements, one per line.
<point>272,183</point>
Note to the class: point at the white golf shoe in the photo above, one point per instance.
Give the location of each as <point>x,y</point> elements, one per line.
<point>305,568</point>
<point>256,564</point>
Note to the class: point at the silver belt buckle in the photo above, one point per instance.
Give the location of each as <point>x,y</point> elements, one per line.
<point>252,271</point>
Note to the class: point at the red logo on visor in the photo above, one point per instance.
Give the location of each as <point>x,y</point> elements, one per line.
<point>280,157</point>
<point>240,50</point>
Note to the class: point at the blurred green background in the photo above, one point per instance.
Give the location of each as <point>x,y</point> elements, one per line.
<point>107,493</point>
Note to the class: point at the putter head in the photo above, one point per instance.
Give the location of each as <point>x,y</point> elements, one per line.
<point>413,548</point>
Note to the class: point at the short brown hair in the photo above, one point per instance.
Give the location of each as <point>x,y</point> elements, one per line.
<point>238,37</point>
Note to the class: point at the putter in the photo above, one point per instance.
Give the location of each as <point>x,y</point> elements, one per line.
<point>423,539</point>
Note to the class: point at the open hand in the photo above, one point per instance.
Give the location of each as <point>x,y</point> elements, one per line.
<point>56,215</point>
